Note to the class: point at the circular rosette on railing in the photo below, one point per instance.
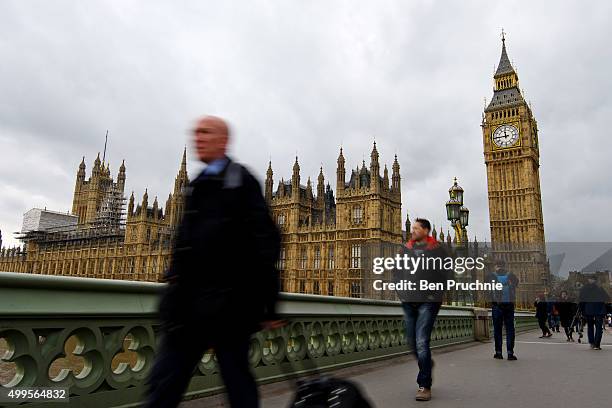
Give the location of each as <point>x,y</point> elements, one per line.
<point>333,338</point>
<point>316,340</point>
<point>19,358</point>
<point>274,346</point>
<point>76,359</point>
<point>208,363</point>
<point>256,345</point>
<point>373,334</point>
<point>347,333</point>
<point>133,351</point>
<point>296,342</point>
<point>361,335</point>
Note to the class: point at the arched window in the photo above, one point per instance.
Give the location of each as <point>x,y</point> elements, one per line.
<point>303,258</point>
<point>330,288</point>
<point>355,290</point>
<point>356,256</point>
<point>282,259</point>
<point>357,214</point>
<point>331,263</point>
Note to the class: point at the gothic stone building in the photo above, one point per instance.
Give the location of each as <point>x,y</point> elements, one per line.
<point>327,246</point>
<point>105,243</point>
<point>328,242</point>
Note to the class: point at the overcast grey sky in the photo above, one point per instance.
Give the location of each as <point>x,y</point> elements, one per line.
<point>304,77</point>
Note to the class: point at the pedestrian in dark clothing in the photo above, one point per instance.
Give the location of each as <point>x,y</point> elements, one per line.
<point>210,301</point>
<point>593,299</point>
<point>567,311</point>
<point>549,315</point>
<point>502,310</point>
<point>542,314</point>
<point>555,319</point>
<point>421,307</point>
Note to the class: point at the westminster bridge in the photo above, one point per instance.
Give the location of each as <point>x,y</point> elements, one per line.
<point>98,338</point>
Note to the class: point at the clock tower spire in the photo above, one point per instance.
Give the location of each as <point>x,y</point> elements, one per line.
<point>512,158</point>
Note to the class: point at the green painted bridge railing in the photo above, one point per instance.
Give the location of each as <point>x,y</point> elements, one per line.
<point>98,337</point>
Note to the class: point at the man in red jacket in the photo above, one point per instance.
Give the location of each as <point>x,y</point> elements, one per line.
<point>421,307</point>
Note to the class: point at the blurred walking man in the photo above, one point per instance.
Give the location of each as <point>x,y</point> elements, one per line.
<point>422,307</point>
<point>593,299</point>
<point>502,310</point>
<point>222,282</point>
<point>542,314</point>
<point>567,311</point>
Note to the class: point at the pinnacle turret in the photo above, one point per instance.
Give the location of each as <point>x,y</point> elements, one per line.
<point>182,178</point>
<point>320,184</point>
<point>295,180</point>
<point>395,176</point>
<point>131,204</point>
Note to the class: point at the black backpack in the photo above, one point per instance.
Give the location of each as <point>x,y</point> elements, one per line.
<point>326,392</point>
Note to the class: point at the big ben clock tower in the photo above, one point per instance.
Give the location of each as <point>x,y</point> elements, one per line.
<point>512,157</point>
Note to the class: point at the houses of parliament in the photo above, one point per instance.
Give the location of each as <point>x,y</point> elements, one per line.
<point>328,236</point>
<point>105,241</point>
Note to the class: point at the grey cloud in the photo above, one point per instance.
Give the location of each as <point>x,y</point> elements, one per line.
<point>305,78</point>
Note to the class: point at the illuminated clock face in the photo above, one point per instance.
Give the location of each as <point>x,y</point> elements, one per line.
<point>505,136</point>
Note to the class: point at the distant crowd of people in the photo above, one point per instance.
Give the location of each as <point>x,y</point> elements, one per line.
<point>591,308</point>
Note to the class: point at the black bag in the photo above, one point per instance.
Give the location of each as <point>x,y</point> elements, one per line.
<point>326,392</point>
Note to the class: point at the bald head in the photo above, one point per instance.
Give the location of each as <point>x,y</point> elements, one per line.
<point>210,135</point>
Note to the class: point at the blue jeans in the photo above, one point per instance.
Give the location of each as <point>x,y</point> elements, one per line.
<point>594,329</point>
<point>503,315</point>
<point>420,319</point>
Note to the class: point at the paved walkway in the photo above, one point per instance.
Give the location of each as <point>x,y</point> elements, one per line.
<point>548,373</point>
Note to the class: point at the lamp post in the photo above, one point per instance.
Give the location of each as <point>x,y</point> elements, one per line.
<point>459,216</point>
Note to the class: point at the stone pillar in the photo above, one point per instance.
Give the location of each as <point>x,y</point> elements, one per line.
<point>481,324</point>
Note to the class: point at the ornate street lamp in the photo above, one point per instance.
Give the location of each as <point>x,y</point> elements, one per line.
<point>457,214</point>
<point>453,207</point>
<point>459,217</point>
<point>456,191</point>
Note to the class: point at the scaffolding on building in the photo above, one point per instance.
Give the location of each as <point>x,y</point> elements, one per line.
<point>112,207</point>
<point>72,234</point>
<point>109,223</point>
